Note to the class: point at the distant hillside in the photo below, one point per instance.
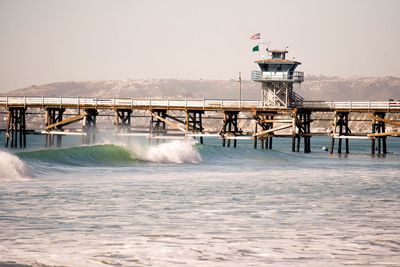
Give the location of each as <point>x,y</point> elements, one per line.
<point>313,88</point>
<point>354,88</point>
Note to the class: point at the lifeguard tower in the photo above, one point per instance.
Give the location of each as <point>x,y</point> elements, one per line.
<point>277,77</point>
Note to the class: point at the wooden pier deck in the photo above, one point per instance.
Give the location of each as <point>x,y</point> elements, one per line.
<point>201,104</point>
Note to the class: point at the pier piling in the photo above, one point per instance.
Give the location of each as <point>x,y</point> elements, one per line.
<point>378,127</point>
<point>157,122</point>
<point>341,130</point>
<point>16,128</point>
<point>123,120</point>
<point>54,115</point>
<point>266,121</point>
<point>89,126</point>
<point>230,128</point>
<point>301,129</point>
<point>194,122</point>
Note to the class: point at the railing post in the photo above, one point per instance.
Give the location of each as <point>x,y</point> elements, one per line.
<point>42,101</point>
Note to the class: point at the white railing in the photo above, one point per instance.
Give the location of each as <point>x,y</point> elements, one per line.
<point>256,75</point>
<point>72,102</point>
<point>86,102</point>
<point>297,76</point>
<point>350,105</point>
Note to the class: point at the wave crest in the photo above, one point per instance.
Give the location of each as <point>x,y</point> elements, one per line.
<point>116,154</point>
<point>109,155</point>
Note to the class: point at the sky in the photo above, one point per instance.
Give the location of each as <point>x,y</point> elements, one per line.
<point>44,41</point>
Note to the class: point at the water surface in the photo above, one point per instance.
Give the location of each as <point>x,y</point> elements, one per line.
<point>180,203</point>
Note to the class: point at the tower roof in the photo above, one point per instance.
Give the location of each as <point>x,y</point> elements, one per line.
<point>278,51</point>
<point>277,61</point>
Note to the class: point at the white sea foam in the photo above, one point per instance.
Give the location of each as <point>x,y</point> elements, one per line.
<point>176,151</point>
<point>12,168</point>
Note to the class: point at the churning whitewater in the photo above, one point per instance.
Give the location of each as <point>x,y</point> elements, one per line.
<point>12,168</point>
<point>137,203</point>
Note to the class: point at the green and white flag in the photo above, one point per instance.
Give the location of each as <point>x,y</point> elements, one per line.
<point>256,48</point>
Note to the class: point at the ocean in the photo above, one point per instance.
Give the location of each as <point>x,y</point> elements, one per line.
<point>135,202</point>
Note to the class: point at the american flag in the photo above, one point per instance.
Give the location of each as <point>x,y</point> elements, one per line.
<point>255,36</point>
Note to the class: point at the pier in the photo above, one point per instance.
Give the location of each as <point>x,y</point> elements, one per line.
<point>281,112</point>
<point>269,121</point>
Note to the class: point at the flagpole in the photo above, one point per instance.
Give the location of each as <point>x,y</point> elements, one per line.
<point>240,89</point>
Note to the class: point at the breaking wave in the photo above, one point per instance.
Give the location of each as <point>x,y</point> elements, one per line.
<point>12,168</point>
<point>114,155</point>
<point>177,151</point>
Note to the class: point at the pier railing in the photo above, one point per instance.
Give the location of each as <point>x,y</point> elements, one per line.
<point>110,103</point>
<point>348,105</point>
<point>204,104</point>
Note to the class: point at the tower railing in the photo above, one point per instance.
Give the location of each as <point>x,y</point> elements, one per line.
<point>297,76</point>
<point>256,75</point>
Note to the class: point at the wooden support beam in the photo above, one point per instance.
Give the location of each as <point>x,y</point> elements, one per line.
<point>384,134</point>
<point>275,121</point>
<point>336,136</point>
<point>272,130</point>
<point>176,126</point>
<point>394,123</point>
<point>66,121</point>
<point>175,119</point>
<point>63,133</point>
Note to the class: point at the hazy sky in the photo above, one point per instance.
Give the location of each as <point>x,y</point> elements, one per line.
<point>44,41</point>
